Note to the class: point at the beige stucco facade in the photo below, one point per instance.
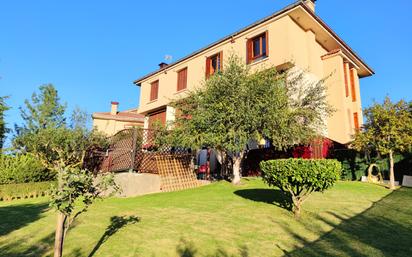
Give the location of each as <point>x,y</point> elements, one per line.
<point>114,121</point>
<point>296,37</point>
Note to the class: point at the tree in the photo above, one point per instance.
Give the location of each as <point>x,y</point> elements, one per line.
<point>298,178</point>
<point>387,130</point>
<point>236,105</point>
<point>44,110</point>
<point>3,128</point>
<point>64,150</point>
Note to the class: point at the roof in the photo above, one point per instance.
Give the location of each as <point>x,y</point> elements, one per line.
<point>120,116</point>
<point>276,14</point>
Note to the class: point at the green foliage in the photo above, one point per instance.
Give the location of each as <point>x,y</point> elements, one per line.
<point>3,128</point>
<point>78,184</point>
<point>354,164</point>
<point>388,128</point>
<point>298,178</point>
<point>44,110</point>
<point>26,190</point>
<point>63,146</point>
<point>23,168</point>
<point>235,105</point>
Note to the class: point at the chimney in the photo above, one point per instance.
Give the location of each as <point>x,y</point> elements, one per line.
<point>113,110</point>
<point>311,4</point>
<point>163,65</point>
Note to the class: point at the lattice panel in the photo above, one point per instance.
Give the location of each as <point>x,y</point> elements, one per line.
<point>175,172</point>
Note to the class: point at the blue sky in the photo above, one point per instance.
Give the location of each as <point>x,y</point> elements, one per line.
<point>93,50</point>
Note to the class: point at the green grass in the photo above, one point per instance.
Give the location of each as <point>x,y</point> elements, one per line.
<point>352,219</point>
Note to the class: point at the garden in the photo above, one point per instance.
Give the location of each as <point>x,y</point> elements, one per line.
<point>52,204</point>
<point>351,219</point>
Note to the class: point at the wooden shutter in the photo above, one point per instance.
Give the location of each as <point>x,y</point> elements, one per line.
<point>267,42</point>
<point>345,73</point>
<point>352,82</point>
<point>356,120</point>
<point>249,51</point>
<point>208,67</point>
<point>157,116</point>
<point>154,90</point>
<point>182,79</point>
<point>221,60</point>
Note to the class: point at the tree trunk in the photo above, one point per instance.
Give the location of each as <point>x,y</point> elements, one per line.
<point>236,169</point>
<point>59,236</point>
<point>297,203</point>
<point>296,210</point>
<point>391,171</point>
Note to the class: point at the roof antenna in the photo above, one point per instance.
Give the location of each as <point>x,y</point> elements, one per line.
<point>168,58</point>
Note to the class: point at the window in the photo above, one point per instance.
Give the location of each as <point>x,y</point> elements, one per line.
<point>157,117</point>
<point>345,74</point>
<point>257,47</point>
<point>356,120</point>
<point>352,83</point>
<point>214,64</point>
<point>154,90</point>
<point>182,79</point>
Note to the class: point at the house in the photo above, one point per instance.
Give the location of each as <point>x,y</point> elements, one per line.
<point>112,122</point>
<point>294,36</point>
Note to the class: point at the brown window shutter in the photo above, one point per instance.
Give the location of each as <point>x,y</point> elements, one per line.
<point>249,51</point>
<point>182,79</point>
<point>356,120</point>
<point>352,82</point>
<point>154,90</point>
<point>207,67</point>
<point>345,73</point>
<point>221,60</point>
<point>267,43</point>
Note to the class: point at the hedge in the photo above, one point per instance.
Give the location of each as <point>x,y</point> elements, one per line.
<point>22,168</point>
<point>355,164</point>
<point>26,190</point>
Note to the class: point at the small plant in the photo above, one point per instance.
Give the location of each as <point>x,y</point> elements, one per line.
<point>298,178</point>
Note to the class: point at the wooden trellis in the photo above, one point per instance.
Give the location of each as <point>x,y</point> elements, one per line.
<point>175,172</point>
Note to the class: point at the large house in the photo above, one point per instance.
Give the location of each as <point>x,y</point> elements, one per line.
<point>294,36</point>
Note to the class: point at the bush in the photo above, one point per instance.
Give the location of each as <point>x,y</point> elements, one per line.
<point>27,190</point>
<point>354,164</point>
<point>22,169</point>
<point>298,178</point>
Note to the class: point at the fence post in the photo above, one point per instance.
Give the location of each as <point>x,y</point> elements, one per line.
<point>133,151</point>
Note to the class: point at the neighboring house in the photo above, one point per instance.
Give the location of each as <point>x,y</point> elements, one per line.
<point>294,36</point>
<point>114,121</point>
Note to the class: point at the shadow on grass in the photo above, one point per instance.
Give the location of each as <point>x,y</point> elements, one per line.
<point>188,249</point>
<point>14,217</point>
<point>116,223</point>
<point>270,196</point>
<point>40,248</point>
<point>385,229</point>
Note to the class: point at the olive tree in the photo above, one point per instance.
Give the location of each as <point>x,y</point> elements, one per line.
<point>236,105</point>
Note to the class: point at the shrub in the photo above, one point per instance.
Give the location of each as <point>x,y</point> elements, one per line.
<point>22,169</point>
<point>26,190</point>
<point>298,178</point>
<point>354,164</point>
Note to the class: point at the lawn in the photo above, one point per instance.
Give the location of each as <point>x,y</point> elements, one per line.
<point>352,219</point>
